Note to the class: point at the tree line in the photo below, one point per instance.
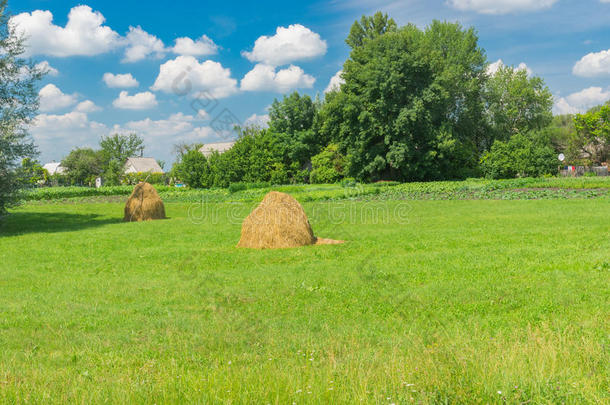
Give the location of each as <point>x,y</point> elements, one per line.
<point>415,105</point>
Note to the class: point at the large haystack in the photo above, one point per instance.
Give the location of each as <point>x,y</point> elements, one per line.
<point>144,204</point>
<point>278,222</point>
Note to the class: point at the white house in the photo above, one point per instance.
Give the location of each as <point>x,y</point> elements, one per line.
<point>142,165</point>
<point>54,168</point>
<point>219,147</point>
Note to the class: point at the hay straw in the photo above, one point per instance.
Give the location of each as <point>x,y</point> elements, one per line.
<point>144,204</point>
<point>278,222</point>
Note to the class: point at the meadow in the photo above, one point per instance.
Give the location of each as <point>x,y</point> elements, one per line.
<point>431,300</point>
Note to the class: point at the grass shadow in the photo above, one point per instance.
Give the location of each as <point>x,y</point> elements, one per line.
<point>19,223</point>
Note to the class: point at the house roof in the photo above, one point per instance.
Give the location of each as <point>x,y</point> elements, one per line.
<point>54,168</point>
<point>219,147</point>
<point>143,165</point>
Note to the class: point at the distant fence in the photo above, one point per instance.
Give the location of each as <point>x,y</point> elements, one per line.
<point>578,171</point>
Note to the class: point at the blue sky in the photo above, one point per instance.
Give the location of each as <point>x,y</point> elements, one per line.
<point>180,71</point>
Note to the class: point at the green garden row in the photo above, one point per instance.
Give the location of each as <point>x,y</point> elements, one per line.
<point>474,188</point>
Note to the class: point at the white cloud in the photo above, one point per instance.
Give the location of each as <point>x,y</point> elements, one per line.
<point>265,78</point>
<point>203,115</point>
<point>87,106</point>
<point>593,64</point>
<point>255,120</point>
<point>185,74</point>
<point>55,135</point>
<point>335,82</point>
<point>161,135</point>
<point>501,6</point>
<point>52,98</point>
<point>45,67</point>
<point>581,101</point>
<point>84,33</point>
<point>120,80</point>
<point>287,45</point>
<point>201,47</point>
<point>141,44</point>
<point>139,101</point>
<point>492,68</point>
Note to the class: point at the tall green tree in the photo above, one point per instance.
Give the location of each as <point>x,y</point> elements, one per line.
<point>591,140</point>
<point>410,105</point>
<point>83,165</point>
<point>121,147</point>
<point>292,114</point>
<point>516,103</point>
<point>18,106</point>
<point>293,133</point>
<point>115,150</point>
<point>369,27</point>
<point>192,169</point>
<point>32,171</point>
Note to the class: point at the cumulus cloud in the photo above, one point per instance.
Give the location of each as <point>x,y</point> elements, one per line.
<point>46,68</point>
<point>139,101</point>
<point>581,101</point>
<point>335,82</point>
<point>52,98</point>
<point>84,33</point>
<point>161,135</point>
<point>55,135</point>
<point>265,78</point>
<point>593,64</point>
<point>141,44</point>
<point>185,75</point>
<point>259,121</point>
<point>492,68</point>
<point>87,106</point>
<point>290,44</point>
<point>501,6</point>
<point>120,80</point>
<point>201,47</point>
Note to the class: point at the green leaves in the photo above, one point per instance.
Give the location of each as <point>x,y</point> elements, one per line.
<point>18,105</point>
<point>410,96</point>
<point>523,155</point>
<point>516,103</point>
<point>83,165</point>
<point>592,137</point>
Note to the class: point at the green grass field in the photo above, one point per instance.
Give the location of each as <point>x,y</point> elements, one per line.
<point>475,301</point>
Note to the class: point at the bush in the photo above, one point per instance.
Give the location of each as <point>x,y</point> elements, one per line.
<point>192,169</point>
<point>328,166</point>
<point>529,155</point>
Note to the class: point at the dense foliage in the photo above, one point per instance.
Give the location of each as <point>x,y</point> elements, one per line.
<point>18,105</point>
<point>592,136</point>
<point>411,107</point>
<point>83,165</point>
<point>328,166</point>
<point>32,172</point>
<point>523,155</point>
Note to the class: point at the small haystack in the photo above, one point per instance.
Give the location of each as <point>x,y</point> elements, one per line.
<point>278,222</point>
<point>144,204</point>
